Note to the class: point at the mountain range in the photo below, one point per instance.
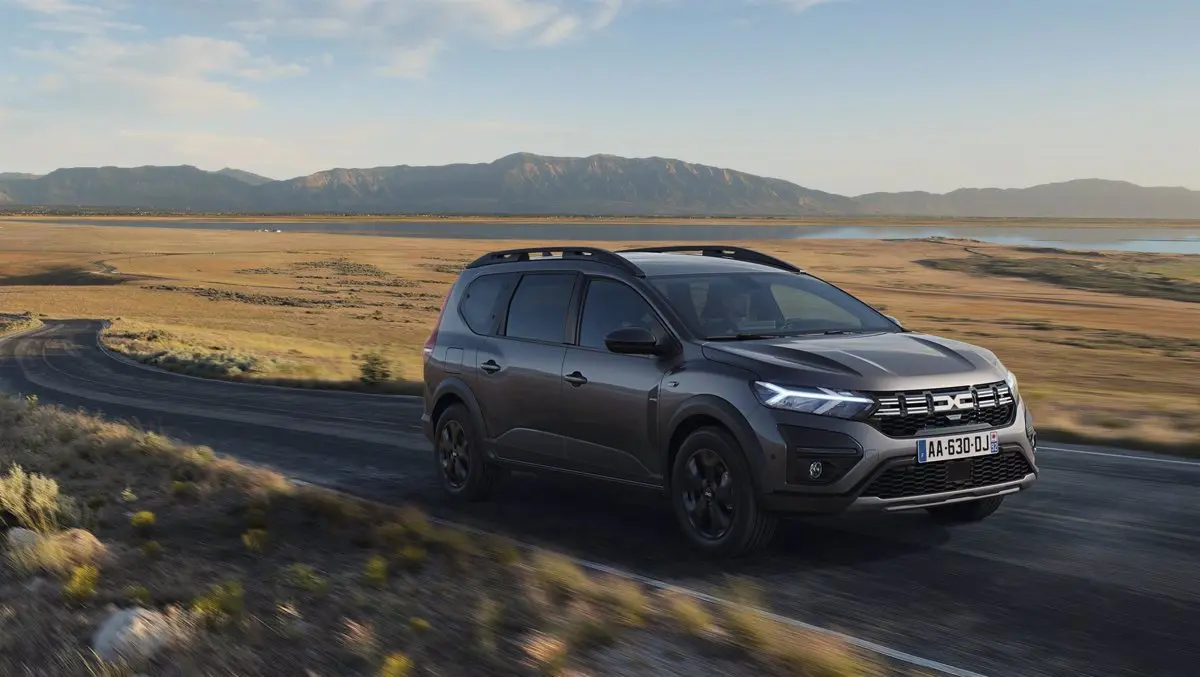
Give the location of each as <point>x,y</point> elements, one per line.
<point>524,183</point>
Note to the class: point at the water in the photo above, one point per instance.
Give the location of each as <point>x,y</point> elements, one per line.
<point>1149,239</point>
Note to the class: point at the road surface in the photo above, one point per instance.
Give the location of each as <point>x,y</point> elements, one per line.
<point>1096,571</point>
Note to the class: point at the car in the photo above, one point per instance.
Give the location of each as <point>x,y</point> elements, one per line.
<point>742,387</point>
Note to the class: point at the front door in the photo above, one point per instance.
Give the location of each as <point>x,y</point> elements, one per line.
<point>610,401</point>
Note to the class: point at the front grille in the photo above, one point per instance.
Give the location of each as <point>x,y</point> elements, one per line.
<point>908,414</point>
<point>920,479</point>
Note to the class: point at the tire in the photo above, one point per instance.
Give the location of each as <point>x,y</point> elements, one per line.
<point>723,470</point>
<point>457,444</point>
<point>967,511</point>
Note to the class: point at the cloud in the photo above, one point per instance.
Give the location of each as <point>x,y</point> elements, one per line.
<point>181,74</point>
<point>410,62</point>
<point>405,37</point>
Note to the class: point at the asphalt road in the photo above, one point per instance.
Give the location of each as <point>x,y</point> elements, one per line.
<point>1096,571</point>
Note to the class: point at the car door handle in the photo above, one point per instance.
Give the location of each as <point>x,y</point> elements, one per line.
<point>575,379</point>
<point>490,367</point>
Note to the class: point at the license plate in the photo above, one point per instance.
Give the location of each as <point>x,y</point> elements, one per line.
<point>936,449</point>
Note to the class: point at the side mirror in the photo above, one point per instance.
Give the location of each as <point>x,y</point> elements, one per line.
<point>893,319</point>
<point>633,341</point>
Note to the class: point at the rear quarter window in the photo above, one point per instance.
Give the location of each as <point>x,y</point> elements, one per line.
<point>480,305</point>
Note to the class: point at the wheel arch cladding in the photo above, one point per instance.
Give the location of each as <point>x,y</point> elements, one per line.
<point>706,410</point>
<point>453,391</point>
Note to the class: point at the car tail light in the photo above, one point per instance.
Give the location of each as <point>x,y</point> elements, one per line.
<point>427,350</point>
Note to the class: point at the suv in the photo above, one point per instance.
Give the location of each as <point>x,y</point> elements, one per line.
<point>741,386</point>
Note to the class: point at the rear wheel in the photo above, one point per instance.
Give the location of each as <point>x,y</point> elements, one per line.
<point>713,496</point>
<point>967,511</point>
<point>460,464</point>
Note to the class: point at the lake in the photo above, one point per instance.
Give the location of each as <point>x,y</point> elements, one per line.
<point>1152,240</point>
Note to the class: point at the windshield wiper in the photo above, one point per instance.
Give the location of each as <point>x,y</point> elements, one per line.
<point>744,337</point>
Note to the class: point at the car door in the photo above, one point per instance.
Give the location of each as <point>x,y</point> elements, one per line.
<point>609,401</point>
<point>519,372</point>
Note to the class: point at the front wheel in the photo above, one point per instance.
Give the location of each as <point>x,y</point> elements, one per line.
<point>967,511</point>
<point>713,496</point>
<point>459,462</point>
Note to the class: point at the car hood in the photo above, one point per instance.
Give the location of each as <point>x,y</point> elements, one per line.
<point>877,361</point>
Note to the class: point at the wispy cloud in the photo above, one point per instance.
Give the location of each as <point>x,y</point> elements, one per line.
<point>405,37</point>
<point>182,74</point>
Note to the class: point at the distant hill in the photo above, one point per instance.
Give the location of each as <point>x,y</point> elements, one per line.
<point>524,183</point>
<point>244,176</point>
<point>1083,198</point>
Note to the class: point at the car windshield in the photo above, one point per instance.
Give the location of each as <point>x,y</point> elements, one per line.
<point>731,306</point>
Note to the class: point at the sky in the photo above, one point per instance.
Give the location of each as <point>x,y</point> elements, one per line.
<point>848,96</point>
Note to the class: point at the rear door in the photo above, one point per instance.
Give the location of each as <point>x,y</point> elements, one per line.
<point>519,373</point>
<point>609,401</point>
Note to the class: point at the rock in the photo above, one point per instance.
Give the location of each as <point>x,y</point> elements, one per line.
<point>133,635</point>
<point>18,538</point>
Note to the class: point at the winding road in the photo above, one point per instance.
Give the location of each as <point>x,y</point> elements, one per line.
<point>1096,571</point>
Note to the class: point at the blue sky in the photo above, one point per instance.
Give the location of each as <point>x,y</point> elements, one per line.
<point>849,96</point>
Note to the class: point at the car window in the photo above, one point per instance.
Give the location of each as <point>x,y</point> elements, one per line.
<point>538,309</point>
<point>725,305</point>
<point>479,304</point>
<point>612,305</point>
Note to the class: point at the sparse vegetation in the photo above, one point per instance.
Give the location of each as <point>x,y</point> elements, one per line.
<point>1075,272</point>
<point>11,324</point>
<point>269,614</point>
<point>1139,347</point>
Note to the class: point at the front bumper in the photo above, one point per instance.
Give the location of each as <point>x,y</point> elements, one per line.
<point>873,472</point>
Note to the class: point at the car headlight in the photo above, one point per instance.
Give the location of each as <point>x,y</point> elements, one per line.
<point>1011,379</point>
<point>823,401</point>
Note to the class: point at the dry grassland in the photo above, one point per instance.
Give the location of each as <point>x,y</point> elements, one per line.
<point>1107,346</point>
<point>233,570</point>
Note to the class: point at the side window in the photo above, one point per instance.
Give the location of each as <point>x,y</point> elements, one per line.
<point>479,303</point>
<point>539,307</point>
<point>612,305</point>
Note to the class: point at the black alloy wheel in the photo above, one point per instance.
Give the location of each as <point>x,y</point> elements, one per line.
<point>714,498</point>
<point>708,494</point>
<point>461,466</point>
<point>455,453</point>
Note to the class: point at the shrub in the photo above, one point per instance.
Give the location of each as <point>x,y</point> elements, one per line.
<point>57,553</point>
<point>138,594</point>
<point>687,613</point>
<point>396,665</point>
<point>377,570</point>
<point>255,540</point>
<point>33,501</point>
<point>144,521</point>
<point>184,489</point>
<point>151,549</point>
<point>412,557</point>
<point>221,604</point>
<point>82,585</point>
<point>304,577</point>
<point>375,369</point>
<point>560,576</point>
<point>416,522</point>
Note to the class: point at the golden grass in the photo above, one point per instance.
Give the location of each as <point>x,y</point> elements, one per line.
<point>1098,366</point>
<point>323,596</point>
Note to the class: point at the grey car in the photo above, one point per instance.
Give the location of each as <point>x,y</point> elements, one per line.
<point>740,386</point>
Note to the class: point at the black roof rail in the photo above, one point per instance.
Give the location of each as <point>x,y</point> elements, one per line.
<point>596,254</point>
<point>724,252</point>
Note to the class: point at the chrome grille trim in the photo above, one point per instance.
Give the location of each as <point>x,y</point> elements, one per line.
<point>911,413</point>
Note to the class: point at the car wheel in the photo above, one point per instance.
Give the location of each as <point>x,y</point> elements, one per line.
<point>713,496</point>
<point>461,467</point>
<point>967,511</point>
